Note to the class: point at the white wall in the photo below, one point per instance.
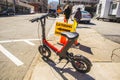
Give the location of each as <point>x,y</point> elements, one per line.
<point>104,9</point>
<point>118,12</point>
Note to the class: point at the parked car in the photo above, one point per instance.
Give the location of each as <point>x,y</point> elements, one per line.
<point>86,17</point>
<point>53,11</point>
<point>7,12</point>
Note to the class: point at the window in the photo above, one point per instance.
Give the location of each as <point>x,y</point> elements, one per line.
<point>114,5</point>
<point>99,9</point>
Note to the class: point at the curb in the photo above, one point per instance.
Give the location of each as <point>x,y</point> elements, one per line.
<point>31,68</point>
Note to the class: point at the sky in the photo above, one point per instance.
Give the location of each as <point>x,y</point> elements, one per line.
<point>51,0</point>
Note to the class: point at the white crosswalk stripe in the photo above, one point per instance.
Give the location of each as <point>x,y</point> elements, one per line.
<point>11,56</point>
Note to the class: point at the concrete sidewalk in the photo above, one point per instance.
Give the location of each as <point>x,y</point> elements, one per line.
<point>103,53</point>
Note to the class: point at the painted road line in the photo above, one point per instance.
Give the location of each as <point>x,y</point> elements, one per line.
<point>10,56</point>
<point>19,40</point>
<point>30,43</point>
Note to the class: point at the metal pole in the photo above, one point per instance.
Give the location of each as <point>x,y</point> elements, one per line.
<point>59,2</point>
<point>6,3</point>
<point>14,4</point>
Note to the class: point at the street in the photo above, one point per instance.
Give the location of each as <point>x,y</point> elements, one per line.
<point>110,30</point>
<point>19,41</point>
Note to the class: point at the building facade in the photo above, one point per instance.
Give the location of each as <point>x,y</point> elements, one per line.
<point>19,6</point>
<point>25,6</point>
<point>90,5</point>
<point>4,4</point>
<point>85,2</point>
<point>39,5</point>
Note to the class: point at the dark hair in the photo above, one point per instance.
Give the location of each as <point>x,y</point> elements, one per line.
<point>68,2</point>
<point>78,9</point>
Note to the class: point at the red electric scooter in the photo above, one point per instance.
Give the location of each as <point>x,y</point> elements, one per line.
<point>79,62</point>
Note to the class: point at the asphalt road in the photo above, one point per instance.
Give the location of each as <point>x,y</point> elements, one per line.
<point>19,41</point>
<point>109,30</point>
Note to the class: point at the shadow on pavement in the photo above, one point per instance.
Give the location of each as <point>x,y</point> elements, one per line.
<point>87,23</point>
<point>115,38</point>
<point>83,48</point>
<point>5,16</point>
<point>78,75</point>
<point>75,74</point>
<point>83,27</point>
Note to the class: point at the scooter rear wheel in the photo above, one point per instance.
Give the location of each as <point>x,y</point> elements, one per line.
<point>81,64</point>
<point>44,51</point>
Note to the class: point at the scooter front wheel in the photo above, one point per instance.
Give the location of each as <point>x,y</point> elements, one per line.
<point>44,51</point>
<point>81,64</point>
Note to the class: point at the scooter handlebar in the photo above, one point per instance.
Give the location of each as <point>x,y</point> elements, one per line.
<point>42,17</point>
<point>35,19</point>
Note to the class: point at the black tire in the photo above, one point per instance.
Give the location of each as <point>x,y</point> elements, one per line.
<point>81,64</point>
<point>88,22</point>
<point>8,14</point>
<point>44,51</point>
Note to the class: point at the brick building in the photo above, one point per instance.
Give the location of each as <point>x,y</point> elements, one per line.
<point>19,6</point>
<point>39,5</point>
<point>25,6</point>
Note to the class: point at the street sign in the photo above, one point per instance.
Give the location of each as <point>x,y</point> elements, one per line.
<point>63,27</point>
